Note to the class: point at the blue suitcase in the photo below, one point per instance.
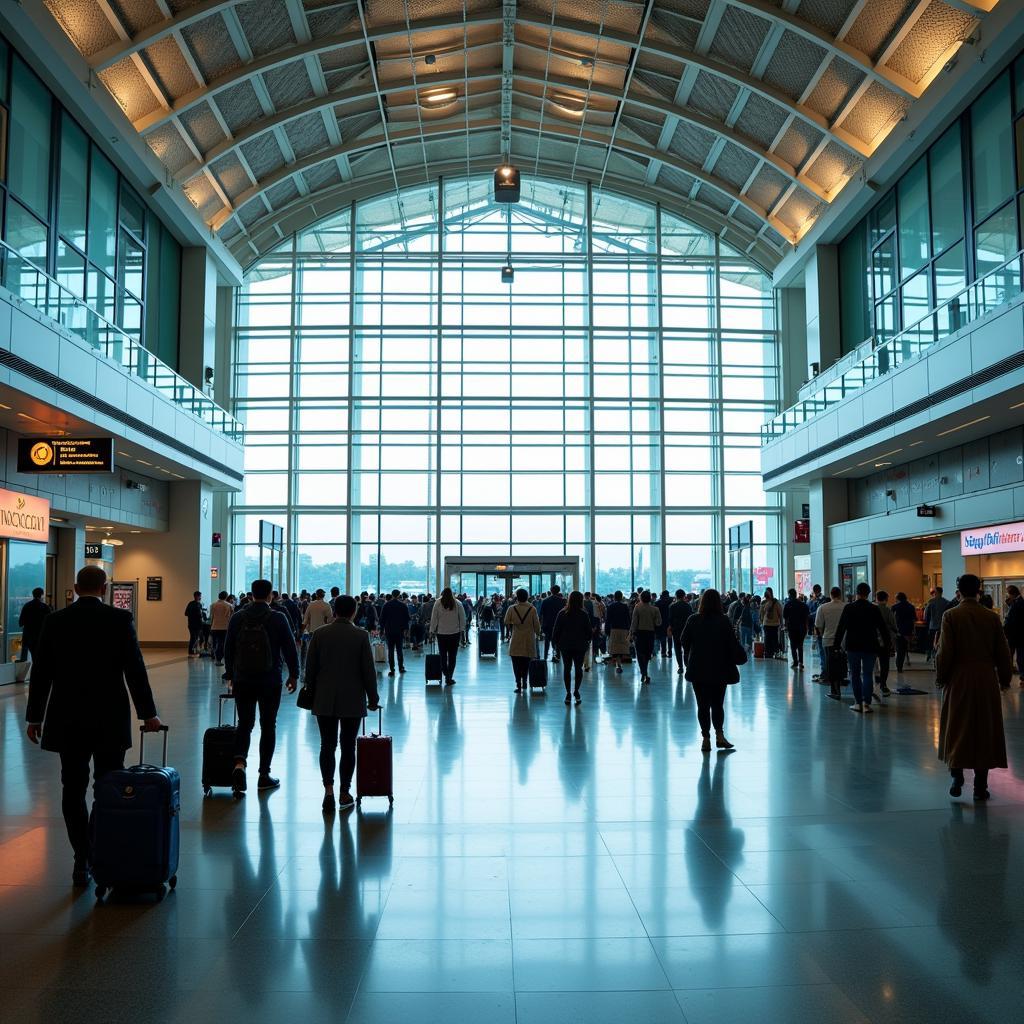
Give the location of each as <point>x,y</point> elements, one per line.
<point>135,828</point>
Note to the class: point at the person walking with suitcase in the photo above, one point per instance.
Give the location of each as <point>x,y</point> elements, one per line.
<point>342,679</point>
<point>448,623</point>
<point>523,624</point>
<point>259,641</point>
<point>571,635</point>
<point>77,703</point>
<point>394,621</point>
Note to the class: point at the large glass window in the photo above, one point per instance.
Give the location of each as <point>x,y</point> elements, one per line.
<point>29,144</point>
<point>74,183</point>
<point>992,147</point>
<point>402,403</point>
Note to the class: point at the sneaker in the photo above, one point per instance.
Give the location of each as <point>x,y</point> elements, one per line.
<point>568,699</point>
<point>957,787</point>
<point>795,664</point>
<point>401,670</point>
<point>859,708</point>
<point>346,800</point>
<point>238,778</point>
<point>268,782</point>
<point>868,709</point>
<point>391,672</point>
<point>577,698</point>
<point>886,692</point>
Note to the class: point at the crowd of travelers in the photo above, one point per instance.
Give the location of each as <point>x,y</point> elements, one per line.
<point>334,644</point>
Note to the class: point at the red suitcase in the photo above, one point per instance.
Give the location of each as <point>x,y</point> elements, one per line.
<point>374,772</point>
<point>758,649</point>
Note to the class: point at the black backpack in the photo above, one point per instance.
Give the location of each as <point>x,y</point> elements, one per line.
<point>254,655</point>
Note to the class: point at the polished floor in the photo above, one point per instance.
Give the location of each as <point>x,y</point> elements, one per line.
<point>544,864</point>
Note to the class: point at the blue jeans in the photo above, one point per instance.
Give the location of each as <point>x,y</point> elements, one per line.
<point>746,635</point>
<point>862,674</point>
<point>819,644</point>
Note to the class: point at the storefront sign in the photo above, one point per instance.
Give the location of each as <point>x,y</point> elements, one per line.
<point>154,588</point>
<point>991,540</point>
<point>24,517</point>
<point>65,455</point>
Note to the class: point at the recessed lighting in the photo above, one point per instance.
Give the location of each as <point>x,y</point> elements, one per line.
<point>57,519</point>
<point>932,551</point>
<point>439,97</point>
<point>125,454</point>
<point>135,531</point>
<point>963,426</point>
<point>879,465</point>
<point>1019,405</point>
<point>7,407</point>
<point>144,462</point>
<point>914,444</point>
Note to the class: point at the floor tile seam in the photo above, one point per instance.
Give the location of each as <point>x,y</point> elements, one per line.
<point>248,917</point>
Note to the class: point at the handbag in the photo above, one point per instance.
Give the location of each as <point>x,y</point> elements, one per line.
<point>304,699</point>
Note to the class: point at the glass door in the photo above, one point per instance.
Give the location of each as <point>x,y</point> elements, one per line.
<point>851,574</point>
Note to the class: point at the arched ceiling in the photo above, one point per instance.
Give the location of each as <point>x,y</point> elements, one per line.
<point>747,115</point>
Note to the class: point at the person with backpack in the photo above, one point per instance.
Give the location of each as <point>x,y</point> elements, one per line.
<point>447,625</point>
<point>258,642</point>
<point>523,623</point>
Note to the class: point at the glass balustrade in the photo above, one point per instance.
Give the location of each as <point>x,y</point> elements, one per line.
<point>997,287</point>
<point>23,278</point>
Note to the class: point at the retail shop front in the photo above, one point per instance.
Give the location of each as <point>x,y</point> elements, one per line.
<point>24,533</point>
<point>996,554</point>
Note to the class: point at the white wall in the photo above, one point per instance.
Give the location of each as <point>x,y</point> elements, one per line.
<point>181,556</point>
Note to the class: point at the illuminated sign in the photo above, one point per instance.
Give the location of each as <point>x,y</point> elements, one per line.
<point>991,540</point>
<point>24,517</point>
<point>65,455</point>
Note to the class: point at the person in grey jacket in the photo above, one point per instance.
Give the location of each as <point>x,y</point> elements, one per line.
<point>341,674</point>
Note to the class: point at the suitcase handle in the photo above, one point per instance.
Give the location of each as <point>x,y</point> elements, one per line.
<point>220,708</point>
<point>142,741</point>
<point>380,722</point>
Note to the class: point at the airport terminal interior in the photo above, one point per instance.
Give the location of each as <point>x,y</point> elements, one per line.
<point>640,299</point>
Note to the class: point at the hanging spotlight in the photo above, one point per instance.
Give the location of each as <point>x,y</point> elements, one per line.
<point>508,274</point>
<point>506,184</point>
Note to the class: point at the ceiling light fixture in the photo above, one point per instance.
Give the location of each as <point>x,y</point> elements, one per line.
<point>113,540</point>
<point>1019,405</point>
<point>932,551</point>
<point>962,426</point>
<point>569,103</point>
<point>439,98</point>
<point>506,184</point>
<point>7,407</point>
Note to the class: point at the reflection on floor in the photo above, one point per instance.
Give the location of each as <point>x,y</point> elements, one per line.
<point>544,863</point>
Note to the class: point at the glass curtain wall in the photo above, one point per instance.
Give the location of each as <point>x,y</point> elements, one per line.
<point>67,211</point>
<point>402,403</point>
<point>956,215</point>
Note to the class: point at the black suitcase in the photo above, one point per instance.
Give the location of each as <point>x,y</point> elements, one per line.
<point>218,751</point>
<point>538,674</point>
<point>488,641</point>
<point>432,666</point>
<point>135,827</point>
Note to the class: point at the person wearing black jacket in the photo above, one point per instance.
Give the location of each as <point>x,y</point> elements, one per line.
<point>905,615</point>
<point>862,627</point>
<point>794,618</point>
<point>394,621</point>
<point>77,702</point>
<point>258,642</point>
<point>661,633</point>
<point>194,617</point>
<point>1013,627</point>
<point>549,609</point>
<point>571,634</point>
<point>712,654</point>
<point>31,622</point>
<point>678,612</point>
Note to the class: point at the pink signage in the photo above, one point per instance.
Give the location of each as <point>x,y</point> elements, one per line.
<point>990,540</point>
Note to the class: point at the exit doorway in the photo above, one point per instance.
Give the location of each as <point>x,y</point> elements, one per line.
<point>485,577</point>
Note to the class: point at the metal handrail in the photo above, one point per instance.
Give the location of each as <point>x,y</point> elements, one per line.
<point>20,276</point>
<point>999,286</point>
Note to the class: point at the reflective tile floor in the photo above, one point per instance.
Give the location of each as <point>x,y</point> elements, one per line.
<point>544,864</point>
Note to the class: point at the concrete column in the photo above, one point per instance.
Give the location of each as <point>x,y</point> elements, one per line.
<point>829,505</point>
<point>792,343</point>
<point>70,558</point>
<point>821,288</point>
<point>197,344</point>
<point>953,563</point>
<point>181,556</point>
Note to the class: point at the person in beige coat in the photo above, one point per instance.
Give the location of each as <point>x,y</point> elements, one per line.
<point>972,665</point>
<point>523,623</point>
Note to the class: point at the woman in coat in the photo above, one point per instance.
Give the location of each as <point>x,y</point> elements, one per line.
<point>523,624</point>
<point>972,665</point>
<point>343,679</point>
<point>711,653</point>
<point>645,623</point>
<point>770,615</point>
<point>447,624</point>
<point>571,636</point>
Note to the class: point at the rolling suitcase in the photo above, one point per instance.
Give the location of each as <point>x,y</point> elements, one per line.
<point>135,827</point>
<point>432,666</point>
<point>218,751</point>
<point>758,648</point>
<point>538,673</point>
<point>488,641</point>
<point>374,771</point>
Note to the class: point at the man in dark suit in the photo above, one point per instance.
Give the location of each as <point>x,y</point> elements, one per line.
<point>549,609</point>
<point>77,704</point>
<point>394,620</point>
<point>258,642</point>
<point>31,622</point>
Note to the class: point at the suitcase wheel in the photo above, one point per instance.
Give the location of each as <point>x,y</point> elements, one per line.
<point>173,883</point>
